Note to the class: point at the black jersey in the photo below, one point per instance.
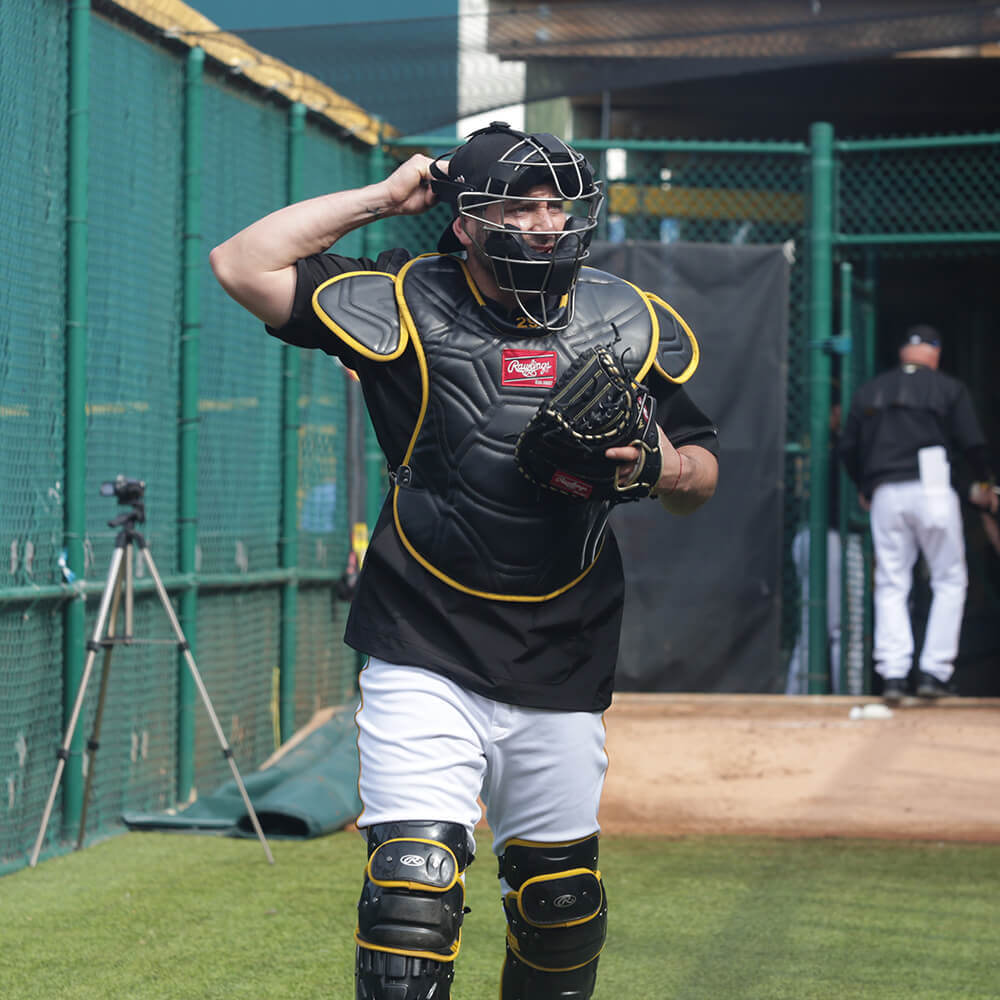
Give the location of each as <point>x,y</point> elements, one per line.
<point>556,654</point>
<point>901,411</point>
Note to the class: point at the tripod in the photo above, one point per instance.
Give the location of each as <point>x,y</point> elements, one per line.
<point>120,577</point>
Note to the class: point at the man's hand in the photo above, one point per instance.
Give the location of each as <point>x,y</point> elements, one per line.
<point>984,495</point>
<point>628,456</point>
<point>408,187</point>
<point>688,476</point>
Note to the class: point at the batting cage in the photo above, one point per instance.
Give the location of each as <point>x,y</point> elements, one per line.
<point>137,138</point>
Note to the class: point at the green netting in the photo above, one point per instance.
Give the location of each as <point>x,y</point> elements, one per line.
<point>331,166</point>
<point>30,712</point>
<point>32,319</point>
<point>240,405</point>
<point>32,310</point>
<point>238,642</point>
<point>135,221</point>
<point>325,668</point>
<point>946,189</point>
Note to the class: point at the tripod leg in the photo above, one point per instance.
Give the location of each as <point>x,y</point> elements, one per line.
<point>92,646</point>
<point>192,666</point>
<point>93,743</point>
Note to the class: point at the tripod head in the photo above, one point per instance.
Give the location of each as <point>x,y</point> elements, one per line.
<point>131,492</point>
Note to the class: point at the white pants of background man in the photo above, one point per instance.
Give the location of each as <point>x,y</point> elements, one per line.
<point>909,519</point>
<point>429,749</point>
<point>798,664</point>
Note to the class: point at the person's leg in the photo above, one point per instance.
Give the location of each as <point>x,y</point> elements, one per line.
<point>852,618</point>
<point>895,554</point>
<point>542,793</point>
<point>797,680</point>
<point>833,607</point>
<point>942,542</point>
<point>420,739</point>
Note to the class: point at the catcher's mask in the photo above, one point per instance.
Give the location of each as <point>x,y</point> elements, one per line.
<point>495,167</point>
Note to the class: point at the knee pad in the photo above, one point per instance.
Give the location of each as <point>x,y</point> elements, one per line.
<point>411,910</point>
<point>557,913</point>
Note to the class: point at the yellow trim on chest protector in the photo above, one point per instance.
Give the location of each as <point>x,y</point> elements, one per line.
<point>375,332</point>
<point>685,331</point>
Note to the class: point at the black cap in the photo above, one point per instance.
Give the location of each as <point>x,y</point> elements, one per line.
<point>479,165</point>
<point>922,334</point>
<point>469,169</point>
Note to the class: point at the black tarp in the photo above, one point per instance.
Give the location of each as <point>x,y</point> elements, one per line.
<point>703,593</point>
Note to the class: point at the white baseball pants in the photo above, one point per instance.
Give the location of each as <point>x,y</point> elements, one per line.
<point>798,663</point>
<point>908,519</point>
<point>429,749</point>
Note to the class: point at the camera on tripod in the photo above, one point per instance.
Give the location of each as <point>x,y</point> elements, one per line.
<point>126,490</point>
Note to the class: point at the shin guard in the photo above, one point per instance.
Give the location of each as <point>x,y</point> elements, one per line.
<point>556,920</point>
<point>411,910</point>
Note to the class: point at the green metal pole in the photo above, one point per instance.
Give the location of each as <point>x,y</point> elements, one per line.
<point>633,145</point>
<point>844,488</point>
<point>867,372</point>
<point>289,554</point>
<point>820,321</point>
<point>74,524</point>
<point>188,425</point>
<point>374,460</point>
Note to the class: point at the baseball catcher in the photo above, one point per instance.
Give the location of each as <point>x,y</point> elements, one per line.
<point>518,395</point>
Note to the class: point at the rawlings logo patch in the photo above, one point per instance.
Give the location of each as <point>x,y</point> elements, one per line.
<point>566,482</point>
<point>521,367</point>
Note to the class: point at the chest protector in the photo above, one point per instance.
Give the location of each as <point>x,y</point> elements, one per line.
<point>462,509</point>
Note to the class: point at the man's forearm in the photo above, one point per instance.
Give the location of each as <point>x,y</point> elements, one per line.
<point>257,265</point>
<point>695,482</point>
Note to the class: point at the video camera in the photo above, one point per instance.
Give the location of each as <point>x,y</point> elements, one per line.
<point>126,490</point>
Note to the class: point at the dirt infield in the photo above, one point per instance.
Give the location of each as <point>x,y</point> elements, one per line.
<point>801,766</point>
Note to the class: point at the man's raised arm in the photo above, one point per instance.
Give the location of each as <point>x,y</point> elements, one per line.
<point>256,267</point>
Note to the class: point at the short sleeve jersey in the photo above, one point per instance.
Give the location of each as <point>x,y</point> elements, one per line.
<point>898,413</point>
<point>555,654</point>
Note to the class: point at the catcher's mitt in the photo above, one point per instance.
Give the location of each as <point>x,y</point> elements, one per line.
<point>593,406</point>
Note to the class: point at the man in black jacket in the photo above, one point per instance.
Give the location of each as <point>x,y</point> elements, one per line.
<point>902,429</point>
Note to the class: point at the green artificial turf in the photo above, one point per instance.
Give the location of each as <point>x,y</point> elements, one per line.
<point>196,917</point>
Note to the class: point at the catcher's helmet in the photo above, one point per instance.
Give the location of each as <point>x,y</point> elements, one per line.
<point>495,167</point>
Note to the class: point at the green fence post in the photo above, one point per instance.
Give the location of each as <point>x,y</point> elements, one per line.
<point>74,521</point>
<point>820,321</point>
<point>374,461</point>
<point>187,450</point>
<point>844,489</point>
<point>867,372</point>
<point>291,362</point>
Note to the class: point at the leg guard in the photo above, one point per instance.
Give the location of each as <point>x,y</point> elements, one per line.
<point>557,915</point>
<point>411,910</point>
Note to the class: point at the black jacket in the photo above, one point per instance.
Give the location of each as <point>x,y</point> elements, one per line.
<point>901,411</point>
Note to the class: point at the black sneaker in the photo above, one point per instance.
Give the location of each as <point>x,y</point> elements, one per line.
<point>928,686</point>
<point>893,690</point>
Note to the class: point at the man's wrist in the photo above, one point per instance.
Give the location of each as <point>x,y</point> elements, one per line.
<point>676,482</point>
